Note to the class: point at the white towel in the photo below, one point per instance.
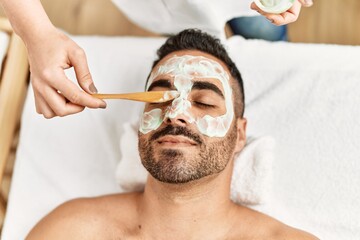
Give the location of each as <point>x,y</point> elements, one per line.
<point>252,174</point>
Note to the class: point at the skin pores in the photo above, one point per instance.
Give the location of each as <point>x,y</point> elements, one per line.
<point>185,70</point>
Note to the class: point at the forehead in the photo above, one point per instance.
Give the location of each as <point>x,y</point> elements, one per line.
<point>188,58</point>
<point>191,64</point>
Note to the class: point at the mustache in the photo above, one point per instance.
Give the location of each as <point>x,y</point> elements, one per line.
<point>171,130</point>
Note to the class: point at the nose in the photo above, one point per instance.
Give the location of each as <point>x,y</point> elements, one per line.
<point>177,113</point>
<point>179,120</point>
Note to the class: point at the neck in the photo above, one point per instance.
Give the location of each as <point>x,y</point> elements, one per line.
<point>187,210</point>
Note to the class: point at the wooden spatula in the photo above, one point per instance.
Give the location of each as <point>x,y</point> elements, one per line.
<point>150,97</point>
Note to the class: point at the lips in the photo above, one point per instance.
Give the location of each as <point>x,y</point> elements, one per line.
<point>177,140</point>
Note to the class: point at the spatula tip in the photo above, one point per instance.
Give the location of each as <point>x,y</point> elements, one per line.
<point>169,95</point>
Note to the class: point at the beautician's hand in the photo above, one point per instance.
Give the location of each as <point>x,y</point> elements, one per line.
<point>55,95</point>
<point>289,16</point>
<point>50,52</point>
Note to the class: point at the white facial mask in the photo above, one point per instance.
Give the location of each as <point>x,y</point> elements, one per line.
<point>184,70</point>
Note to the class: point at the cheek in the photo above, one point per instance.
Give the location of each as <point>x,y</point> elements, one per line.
<point>151,120</point>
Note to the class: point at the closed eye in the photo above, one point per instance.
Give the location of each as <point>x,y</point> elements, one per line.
<point>204,105</point>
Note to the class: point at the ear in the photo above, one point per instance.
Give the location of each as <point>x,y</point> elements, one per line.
<point>241,136</point>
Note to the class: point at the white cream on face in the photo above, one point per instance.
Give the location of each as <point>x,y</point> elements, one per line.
<point>184,70</point>
<point>151,120</point>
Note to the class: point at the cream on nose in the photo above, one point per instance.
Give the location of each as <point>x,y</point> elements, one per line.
<point>177,113</point>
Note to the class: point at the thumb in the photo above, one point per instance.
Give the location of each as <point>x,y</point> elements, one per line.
<point>306,3</point>
<point>83,76</point>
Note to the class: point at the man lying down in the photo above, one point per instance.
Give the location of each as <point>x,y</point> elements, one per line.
<point>188,146</point>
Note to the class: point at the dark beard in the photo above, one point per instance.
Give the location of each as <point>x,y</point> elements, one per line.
<point>172,166</point>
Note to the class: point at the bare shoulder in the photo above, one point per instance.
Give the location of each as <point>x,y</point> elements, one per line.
<point>263,226</point>
<point>84,218</point>
<point>286,232</point>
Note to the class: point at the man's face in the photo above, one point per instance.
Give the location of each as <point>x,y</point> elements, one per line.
<point>194,135</point>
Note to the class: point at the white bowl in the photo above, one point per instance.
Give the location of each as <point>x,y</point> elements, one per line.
<point>274,6</point>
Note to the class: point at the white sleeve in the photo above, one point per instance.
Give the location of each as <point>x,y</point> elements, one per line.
<point>172,16</point>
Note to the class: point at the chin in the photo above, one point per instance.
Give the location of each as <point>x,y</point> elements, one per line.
<point>171,153</point>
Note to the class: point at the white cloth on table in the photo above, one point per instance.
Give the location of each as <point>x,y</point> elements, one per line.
<point>307,97</point>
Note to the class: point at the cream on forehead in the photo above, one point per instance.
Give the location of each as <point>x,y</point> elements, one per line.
<point>185,69</point>
<point>192,66</point>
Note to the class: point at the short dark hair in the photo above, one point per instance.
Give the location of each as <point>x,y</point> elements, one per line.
<point>195,39</point>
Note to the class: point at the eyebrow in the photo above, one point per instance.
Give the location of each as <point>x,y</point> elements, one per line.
<point>198,85</point>
<point>160,83</point>
<point>207,86</point>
